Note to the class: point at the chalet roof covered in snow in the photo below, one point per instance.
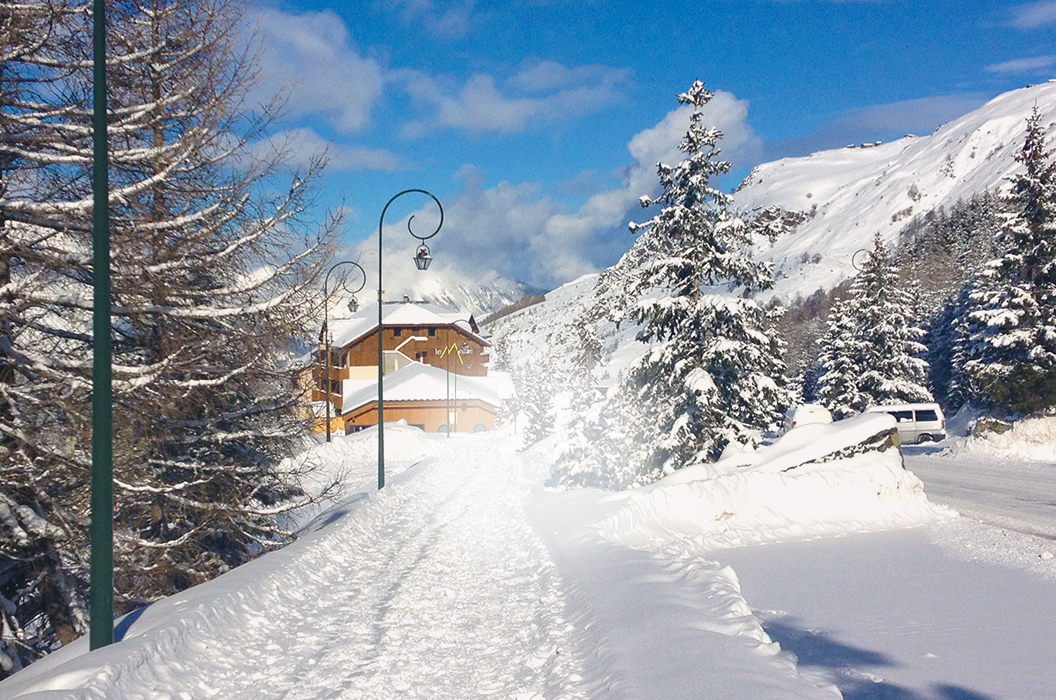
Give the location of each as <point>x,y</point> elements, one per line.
<point>365,321</point>
<point>422,382</point>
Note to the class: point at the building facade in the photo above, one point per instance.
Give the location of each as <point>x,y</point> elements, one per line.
<point>435,366</point>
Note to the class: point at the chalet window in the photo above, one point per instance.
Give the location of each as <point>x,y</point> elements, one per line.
<point>420,356</point>
<point>359,346</point>
<point>432,332</point>
<point>396,332</point>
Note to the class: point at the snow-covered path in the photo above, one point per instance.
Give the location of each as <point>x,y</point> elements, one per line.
<point>437,587</point>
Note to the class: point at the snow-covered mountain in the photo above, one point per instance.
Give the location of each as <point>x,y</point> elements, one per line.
<point>448,288</point>
<point>479,296</point>
<point>849,194</point>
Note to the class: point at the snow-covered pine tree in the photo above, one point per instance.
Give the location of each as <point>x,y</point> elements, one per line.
<point>212,279</point>
<point>871,352</point>
<point>838,368</point>
<point>714,372</point>
<point>581,456</point>
<point>1013,314</point>
<point>962,388</point>
<point>889,342</point>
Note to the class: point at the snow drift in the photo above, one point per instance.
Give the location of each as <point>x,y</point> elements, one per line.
<point>816,480</point>
<point>1032,439</point>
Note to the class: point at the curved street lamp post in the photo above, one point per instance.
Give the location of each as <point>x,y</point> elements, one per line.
<point>422,258</point>
<point>352,306</point>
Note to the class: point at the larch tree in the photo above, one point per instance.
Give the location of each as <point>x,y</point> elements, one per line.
<point>44,144</point>
<point>213,276</point>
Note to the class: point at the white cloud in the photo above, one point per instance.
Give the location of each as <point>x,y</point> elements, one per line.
<point>454,21</point>
<point>311,59</point>
<point>1034,15</point>
<point>893,119</point>
<point>1022,65</point>
<point>542,76</point>
<point>518,231</point>
<point>537,93</point>
<point>297,147</point>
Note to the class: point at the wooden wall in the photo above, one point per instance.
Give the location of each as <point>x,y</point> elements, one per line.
<point>473,362</point>
<point>428,415</point>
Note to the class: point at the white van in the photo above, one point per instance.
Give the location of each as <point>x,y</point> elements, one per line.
<point>916,422</point>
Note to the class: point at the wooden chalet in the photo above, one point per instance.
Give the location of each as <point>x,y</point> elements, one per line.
<point>435,365</point>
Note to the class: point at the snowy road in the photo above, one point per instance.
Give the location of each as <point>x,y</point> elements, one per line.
<point>1012,494</point>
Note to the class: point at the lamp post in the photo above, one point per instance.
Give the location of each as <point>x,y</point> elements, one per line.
<point>101,567</point>
<point>422,258</point>
<point>352,306</point>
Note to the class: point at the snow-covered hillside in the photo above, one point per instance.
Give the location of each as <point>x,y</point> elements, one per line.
<point>846,194</point>
<point>849,194</point>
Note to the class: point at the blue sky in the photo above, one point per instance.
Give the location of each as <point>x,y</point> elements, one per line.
<point>538,123</point>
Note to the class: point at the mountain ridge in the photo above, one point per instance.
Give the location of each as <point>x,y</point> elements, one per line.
<point>847,195</point>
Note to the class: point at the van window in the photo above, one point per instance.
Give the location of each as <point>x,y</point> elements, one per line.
<point>927,416</point>
<point>902,416</point>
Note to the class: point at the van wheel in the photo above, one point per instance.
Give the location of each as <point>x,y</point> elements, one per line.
<point>924,438</point>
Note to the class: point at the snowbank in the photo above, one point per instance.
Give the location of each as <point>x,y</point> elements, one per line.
<point>348,464</point>
<point>815,481</point>
<point>1031,439</point>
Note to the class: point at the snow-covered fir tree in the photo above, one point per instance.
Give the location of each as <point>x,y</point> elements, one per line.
<point>713,373</point>
<point>872,351</point>
<point>892,364</point>
<point>838,368</point>
<point>1013,307</point>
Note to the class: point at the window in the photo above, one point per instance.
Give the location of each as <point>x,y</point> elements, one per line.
<point>432,332</point>
<point>396,332</point>
<point>420,356</point>
<point>359,346</point>
<point>902,416</point>
<point>927,416</point>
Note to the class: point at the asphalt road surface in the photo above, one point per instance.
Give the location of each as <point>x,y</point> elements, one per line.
<point>1015,495</point>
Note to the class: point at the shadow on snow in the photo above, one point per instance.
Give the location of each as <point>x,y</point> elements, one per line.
<point>843,661</point>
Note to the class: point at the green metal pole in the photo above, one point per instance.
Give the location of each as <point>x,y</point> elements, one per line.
<point>101,578</point>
